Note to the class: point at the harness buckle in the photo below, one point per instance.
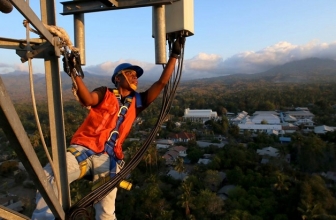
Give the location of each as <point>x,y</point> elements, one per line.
<point>112,134</point>
<point>121,163</point>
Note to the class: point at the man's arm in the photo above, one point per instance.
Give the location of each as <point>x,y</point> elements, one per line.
<point>86,97</point>
<point>156,88</point>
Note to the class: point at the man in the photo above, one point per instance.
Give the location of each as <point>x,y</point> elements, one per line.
<point>96,147</point>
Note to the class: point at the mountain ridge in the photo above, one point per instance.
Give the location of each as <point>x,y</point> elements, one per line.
<point>301,71</point>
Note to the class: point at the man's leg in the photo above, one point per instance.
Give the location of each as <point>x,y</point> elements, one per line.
<point>42,210</point>
<point>105,209</point>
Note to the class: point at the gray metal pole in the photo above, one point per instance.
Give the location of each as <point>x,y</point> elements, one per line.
<point>79,29</point>
<point>159,26</point>
<point>55,107</point>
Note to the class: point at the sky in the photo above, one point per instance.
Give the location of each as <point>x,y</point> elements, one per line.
<point>231,36</point>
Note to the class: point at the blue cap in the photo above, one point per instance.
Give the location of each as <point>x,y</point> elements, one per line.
<point>128,66</point>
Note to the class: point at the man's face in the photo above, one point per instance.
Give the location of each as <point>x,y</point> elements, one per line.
<point>128,77</point>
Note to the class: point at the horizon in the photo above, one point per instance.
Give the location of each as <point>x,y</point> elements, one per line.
<point>253,37</point>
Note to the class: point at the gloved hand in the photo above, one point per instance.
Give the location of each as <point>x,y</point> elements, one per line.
<point>68,64</point>
<point>176,50</point>
<point>72,64</point>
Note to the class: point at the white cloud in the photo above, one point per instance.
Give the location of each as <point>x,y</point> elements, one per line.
<point>209,65</point>
<point>206,65</point>
<point>8,68</point>
<point>278,54</point>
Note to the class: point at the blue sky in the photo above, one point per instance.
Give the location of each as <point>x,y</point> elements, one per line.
<point>232,36</point>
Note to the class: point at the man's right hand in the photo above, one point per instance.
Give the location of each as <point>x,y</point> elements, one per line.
<point>68,64</point>
<point>71,64</point>
<point>176,50</point>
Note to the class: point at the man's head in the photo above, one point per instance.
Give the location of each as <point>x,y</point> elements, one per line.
<point>126,70</point>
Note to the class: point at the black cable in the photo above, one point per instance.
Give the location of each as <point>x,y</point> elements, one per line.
<point>79,209</point>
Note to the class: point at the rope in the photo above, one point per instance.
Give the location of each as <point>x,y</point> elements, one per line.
<point>31,80</point>
<point>65,42</point>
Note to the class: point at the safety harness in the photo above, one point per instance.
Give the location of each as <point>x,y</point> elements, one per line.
<point>81,156</point>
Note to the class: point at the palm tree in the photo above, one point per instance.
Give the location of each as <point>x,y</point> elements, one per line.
<point>179,165</point>
<point>281,183</point>
<point>185,199</point>
<point>151,156</point>
<point>310,211</point>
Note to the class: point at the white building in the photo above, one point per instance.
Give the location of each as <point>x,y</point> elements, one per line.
<point>323,129</point>
<point>269,151</point>
<point>265,117</point>
<point>301,114</point>
<point>242,116</point>
<point>269,129</point>
<point>305,122</point>
<point>164,143</point>
<point>199,115</point>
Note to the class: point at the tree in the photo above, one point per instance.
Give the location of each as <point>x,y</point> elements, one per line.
<point>208,205</point>
<point>185,199</point>
<point>212,179</point>
<point>179,165</point>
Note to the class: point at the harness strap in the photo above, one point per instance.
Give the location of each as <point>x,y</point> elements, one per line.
<point>110,143</point>
<point>81,157</point>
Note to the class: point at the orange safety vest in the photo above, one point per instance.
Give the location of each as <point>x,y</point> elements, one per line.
<point>102,119</point>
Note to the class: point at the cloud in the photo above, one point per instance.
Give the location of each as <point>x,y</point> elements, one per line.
<point>8,68</point>
<point>210,65</point>
<point>205,65</point>
<point>278,54</point>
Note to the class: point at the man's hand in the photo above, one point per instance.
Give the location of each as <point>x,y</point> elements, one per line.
<point>68,64</point>
<point>176,50</point>
<point>72,64</point>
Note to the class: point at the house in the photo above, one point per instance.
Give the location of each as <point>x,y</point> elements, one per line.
<point>269,151</point>
<point>203,161</point>
<point>12,202</point>
<point>170,157</point>
<point>330,175</point>
<point>305,122</point>
<point>173,153</point>
<point>323,129</point>
<point>181,137</point>
<point>267,128</point>
<point>176,175</point>
<point>284,140</point>
<point>289,128</point>
<point>269,117</point>
<point>182,151</point>
<point>223,193</point>
<point>301,109</point>
<point>199,115</point>
<point>301,114</point>
<point>207,144</point>
<point>163,143</point>
<point>240,117</point>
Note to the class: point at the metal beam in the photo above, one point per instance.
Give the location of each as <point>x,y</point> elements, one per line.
<point>29,14</point>
<point>17,44</point>
<point>19,141</point>
<point>55,108</point>
<point>7,213</point>
<point>87,6</point>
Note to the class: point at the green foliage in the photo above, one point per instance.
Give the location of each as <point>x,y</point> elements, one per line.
<point>7,167</point>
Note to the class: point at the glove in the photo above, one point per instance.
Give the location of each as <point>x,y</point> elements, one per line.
<point>72,64</point>
<point>176,50</point>
<point>68,64</point>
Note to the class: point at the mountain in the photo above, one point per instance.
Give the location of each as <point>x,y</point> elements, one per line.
<point>302,71</point>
